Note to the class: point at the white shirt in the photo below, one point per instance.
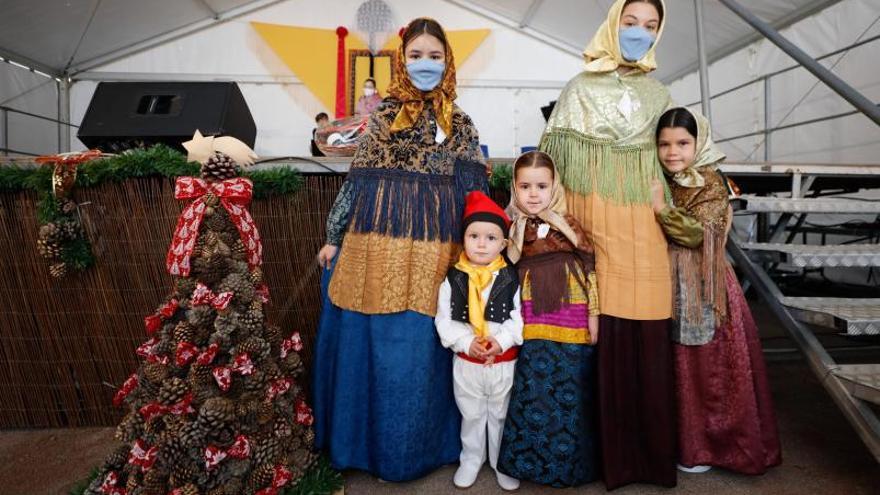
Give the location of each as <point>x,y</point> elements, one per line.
<point>458,336</point>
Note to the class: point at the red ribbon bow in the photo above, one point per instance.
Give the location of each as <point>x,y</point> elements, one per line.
<point>108,487</point>
<point>304,413</point>
<point>185,353</point>
<point>202,295</point>
<point>206,357</point>
<point>127,387</point>
<point>154,321</point>
<point>241,449</point>
<point>278,387</point>
<point>281,477</point>
<point>143,456</point>
<point>234,194</point>
<point>294,343</point>
<point>242,365</point>
<point>154,409</point>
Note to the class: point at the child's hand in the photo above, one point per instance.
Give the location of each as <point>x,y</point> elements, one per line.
<point>493,347</point>
<point>477,351</point>
<point>658,196</point>
<point>593,325</point>
<point>326,254</point>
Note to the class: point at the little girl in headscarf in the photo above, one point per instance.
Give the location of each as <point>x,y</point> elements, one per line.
<point>725,412</point>
<point>550,432</point>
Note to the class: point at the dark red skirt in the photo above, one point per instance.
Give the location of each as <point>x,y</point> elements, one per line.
<point>725,411</point>
<point>636,402</point>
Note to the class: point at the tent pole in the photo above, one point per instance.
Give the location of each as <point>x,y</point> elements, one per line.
<point>705,96</point>
<point>63,87</point>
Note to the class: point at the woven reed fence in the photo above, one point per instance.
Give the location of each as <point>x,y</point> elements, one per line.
<point>65,345</point>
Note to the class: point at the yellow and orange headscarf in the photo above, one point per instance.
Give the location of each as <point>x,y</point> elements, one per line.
<point>413,99</point>
<point>603,52</point>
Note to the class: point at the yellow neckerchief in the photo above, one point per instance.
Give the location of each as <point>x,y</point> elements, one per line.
<point>554,215</point>
<point>706,154</point>
<point>479,277</point>
<point>603,52</point>
<point>413,99</point>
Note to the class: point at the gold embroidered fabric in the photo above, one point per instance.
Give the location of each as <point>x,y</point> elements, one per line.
<point>381,275</point>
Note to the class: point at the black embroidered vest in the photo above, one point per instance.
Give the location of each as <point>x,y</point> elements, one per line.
<point>500,302</point>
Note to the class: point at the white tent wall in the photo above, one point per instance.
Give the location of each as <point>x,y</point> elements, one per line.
<point>853,139</point>
<point>21,89</point>
<point>501,86</point>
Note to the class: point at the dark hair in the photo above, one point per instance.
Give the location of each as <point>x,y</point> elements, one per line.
<point>424,25</point>
<point>533,159</point>
<point>320,116</point>
<point>656,3</point>
<point>370,79</point>
<point>677,117</point>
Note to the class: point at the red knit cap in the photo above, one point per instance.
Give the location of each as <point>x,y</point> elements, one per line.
<point>480,208</point>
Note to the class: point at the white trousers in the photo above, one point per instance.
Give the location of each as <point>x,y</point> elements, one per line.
<point>482,393</point>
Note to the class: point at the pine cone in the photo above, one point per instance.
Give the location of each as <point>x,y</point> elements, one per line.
<point>239,252</point>
<point>265,413</point>
<point>173,391</point>
<point>58,270</point>
<point>256,275</point>
<point>185,287</point>
<point>173,453</point>
<point>271,370</point>
<point>219,222</point>
<point>219,167</point>
<point>256,348</point>
<point>240,285</point>
<point>267,451</point>
<point>189,489</point>
<point>192,435</point>
<point>292,364</point>
<point>130,428</point>
<point>155,372</point>
<point>69,230</point>
<point>166,345</point>
<point>118,458</point>
<point>261,477</point>
<point>200,375</point>
<point>282,427</point>
<point>251,321</point>
<point>133,482</point>
<point>154,482</point>
<point>216,413</point>
<point>255,382</point>
<point>301,458</point>
<point>273,336</point>
<point>68,206</point>
<point>184,332</point>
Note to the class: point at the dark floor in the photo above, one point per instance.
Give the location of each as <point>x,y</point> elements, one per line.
<point>821,452</point>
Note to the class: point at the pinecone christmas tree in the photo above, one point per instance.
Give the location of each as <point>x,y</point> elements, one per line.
<point>214,406</point>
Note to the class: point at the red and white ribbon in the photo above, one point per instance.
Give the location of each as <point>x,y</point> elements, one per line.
<point>153,409</point>
<point>234,195</point>
<point>109,486</point>
<point>186,352</point>
<point>142,455</point>
<point>165,311</point>
<point>263,293</point>
<point>304,413</point>
<point>127,387</point>
<point>241,449</point>
<point>281,477</point>
<point>294,343</point>
<point>202,296</point>
<point>278,387</point>
<point>207,356</point>
<point>242,365</point>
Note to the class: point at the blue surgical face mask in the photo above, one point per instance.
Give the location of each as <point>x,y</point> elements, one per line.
<point>635,42</point>
<point>425,74</point>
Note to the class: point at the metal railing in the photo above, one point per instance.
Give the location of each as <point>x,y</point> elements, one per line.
<point>6,149</point>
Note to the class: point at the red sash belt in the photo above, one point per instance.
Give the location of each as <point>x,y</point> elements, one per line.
<point>508,355</point>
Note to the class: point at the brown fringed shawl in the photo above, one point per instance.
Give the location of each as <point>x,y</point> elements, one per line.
<point>548,263</point>
<point>698,273</point>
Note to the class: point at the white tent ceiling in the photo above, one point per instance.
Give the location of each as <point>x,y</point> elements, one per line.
<point>68,36</point>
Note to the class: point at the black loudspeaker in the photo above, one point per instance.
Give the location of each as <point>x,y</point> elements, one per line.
<point>124,115</point>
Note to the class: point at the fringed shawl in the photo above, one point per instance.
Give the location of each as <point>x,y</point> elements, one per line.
<point>698,273</point>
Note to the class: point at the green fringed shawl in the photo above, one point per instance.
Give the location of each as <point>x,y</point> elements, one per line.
<point>618,173</point>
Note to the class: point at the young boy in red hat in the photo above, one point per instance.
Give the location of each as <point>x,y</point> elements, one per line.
<point>478,317</point>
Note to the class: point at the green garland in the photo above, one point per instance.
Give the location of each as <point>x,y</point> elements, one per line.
<point>502,175</point>
<point>157,161</point>
<point>321,479</point>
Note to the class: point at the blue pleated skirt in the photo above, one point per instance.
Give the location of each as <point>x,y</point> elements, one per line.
<point>383,393</point>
